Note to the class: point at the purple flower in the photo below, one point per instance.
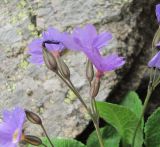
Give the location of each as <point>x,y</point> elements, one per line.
<point>51,39</point>
<point>88,41</point>
<point>11,127</point>
<point>158,45</point>
<point>158,12</point>
<point>155,61</point>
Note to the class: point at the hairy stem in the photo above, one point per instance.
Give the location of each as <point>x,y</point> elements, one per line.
<point>47,135</point>
<point>99,134</point>
<point>44,145</point>
<point>93,116</point>
<point>149,92</point>
<point>96,123</point>
<point>70,85</point>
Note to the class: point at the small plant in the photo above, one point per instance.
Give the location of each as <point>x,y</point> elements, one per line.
<point>125,121</point>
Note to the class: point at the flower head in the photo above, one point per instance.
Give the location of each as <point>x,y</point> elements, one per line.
<point>11,127</point>
<point>158,12</point>
<point>51,39</point>
<point>88,41</point>
<point>155,61</point>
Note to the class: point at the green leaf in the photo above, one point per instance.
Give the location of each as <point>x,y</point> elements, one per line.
<point>62,142</point>
<point>122,119</point>
<point>109,135</point>
<point>132,101</point>
<point>152,130</point>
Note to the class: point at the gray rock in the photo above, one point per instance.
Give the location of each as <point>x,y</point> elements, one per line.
<point>40,90</point>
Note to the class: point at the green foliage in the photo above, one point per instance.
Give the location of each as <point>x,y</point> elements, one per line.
<point>61,142</point>
<point>152,130</point>
<point>132,102</point>
<point>123,120</point>
<point>109,135</point>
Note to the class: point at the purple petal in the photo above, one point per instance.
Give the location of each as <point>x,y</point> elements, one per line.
<point>158,12</point>
<point>6,132</point>
<point>110,62</point>
<point>69,42</point>
<point>6,115</point>
<point>54,47</point>
<point>158,45</point>
<point>8,144</point>
<point>19,116</point>
<point>85,35</point>
<point>155,61</point>
<point>52,34</point>
<point>102,40</point>
<point>12,122</point>
<point>35,47</point>
<point>36,59</point>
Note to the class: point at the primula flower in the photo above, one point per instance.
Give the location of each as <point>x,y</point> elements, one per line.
<point>158,12</point>
<point>11,127</point>
<point>155,61</point>
<point>88,41</point>
<point>51,39</point>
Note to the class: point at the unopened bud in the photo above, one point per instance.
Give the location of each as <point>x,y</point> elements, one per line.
<point>33,140</point>
<point>32,117</point>
<point>63,68</point>
<point>95,87</point>
<point>156,38</point>
<point>89,71</point>
<point>49,60</point>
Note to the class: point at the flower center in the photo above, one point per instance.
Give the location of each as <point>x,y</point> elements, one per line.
<point>15,136</point>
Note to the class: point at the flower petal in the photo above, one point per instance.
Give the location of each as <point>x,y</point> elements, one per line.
<point>35,47</point>
<point>70,43</point>
<point>158,12</point>
<point>155,61</point>
<point>36,59</point>
<point>12,122</point>
<point>85,35</point>
<point>52,34</point>
<point>102,40</point>
<point>110,62</point>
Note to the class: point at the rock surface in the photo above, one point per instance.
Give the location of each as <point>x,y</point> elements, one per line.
<point>36,88</point>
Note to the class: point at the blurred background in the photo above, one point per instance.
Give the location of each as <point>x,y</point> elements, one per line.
<point>133,24</point>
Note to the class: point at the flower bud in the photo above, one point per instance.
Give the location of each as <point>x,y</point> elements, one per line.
<point>32,117</point>
<point>156,38</point>
<point>33,140</point>
<point>64,70</point>
<point>49,60</point>
<point>89,71</point>
<point>95,87</point>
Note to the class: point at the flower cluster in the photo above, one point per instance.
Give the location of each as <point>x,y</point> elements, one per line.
<point>82,39</point>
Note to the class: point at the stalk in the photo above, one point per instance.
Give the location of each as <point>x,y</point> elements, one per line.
<point>71,86</point>
<point>44,145</point>
<point>149,92</point>
<point>96,123</point>
<point>47,135</point>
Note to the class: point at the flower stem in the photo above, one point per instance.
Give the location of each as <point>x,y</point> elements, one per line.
<point>70,85</point>
<point>46,135</point>
<point>149,92</point>
<point>44,145</point>
<point>99,134</point>
<point>96,124</point>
